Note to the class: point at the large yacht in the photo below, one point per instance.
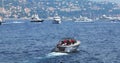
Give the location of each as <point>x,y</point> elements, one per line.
<point>1,20</point>
<point>56,19</point>
<point>82,19</point>
<point>109,18</point>
<point>35,18</point>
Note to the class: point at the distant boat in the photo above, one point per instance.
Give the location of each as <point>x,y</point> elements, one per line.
<point>1,20</point>
<point>35,18</point>
<point>105,18</point>
<point>115,19</point>
<point>67,45</point>
<point>109,18</point>
<point>56,19</point>
<point>82,19</point>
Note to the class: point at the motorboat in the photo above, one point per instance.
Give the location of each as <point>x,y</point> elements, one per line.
<point>1,20</point>
<point>83,19</point>
<point>35,18</point>
<point>67,45</point>
<point>56,19</point>
<point>0,23</point>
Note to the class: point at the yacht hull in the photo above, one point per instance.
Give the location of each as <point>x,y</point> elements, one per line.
<point>37,20</point>
<point>56,22</point>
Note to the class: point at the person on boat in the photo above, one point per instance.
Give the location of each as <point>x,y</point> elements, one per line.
<point>64,42</point>
<point>68,42</point>
<point>72,41</point>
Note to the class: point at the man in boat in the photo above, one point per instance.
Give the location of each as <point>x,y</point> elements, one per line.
<point>67,42</point>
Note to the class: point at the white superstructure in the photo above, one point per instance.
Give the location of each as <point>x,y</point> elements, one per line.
<point>56,19</point>
<point>82,19</point>
<point>35,18</point>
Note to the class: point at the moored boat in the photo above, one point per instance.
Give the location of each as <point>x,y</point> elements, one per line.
<point>56,19</point>
<point>1,20</point>
<point>35,18</point>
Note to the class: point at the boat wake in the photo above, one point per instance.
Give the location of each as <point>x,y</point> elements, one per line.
<point>18,22</point>
<point>52,55</point>
<point>13,22</point>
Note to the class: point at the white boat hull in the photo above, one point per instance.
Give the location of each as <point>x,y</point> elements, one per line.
<point>56,22</point>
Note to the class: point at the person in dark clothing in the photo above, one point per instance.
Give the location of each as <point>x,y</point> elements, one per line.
<point>62,42</point>
<point>72,41</point>
<point>68,42</point>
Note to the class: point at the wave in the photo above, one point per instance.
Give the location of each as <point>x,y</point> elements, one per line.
<point>18,22</point>
<point>52,55</point>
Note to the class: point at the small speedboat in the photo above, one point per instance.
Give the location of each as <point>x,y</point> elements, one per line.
<point>67,45</point>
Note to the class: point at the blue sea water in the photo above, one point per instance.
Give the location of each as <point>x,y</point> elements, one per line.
<point>25,42</point>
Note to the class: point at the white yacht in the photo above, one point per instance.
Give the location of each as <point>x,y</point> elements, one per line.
<point>82,19</point>
<point>56,19</point>
<point>67,45</point>
<point>1,20</point>
<point>35,18</point>
<point>105,18</point>
<point>108,18</point>
<point>115,19</point>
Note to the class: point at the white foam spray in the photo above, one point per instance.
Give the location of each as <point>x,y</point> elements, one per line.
<point>51,55</point>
